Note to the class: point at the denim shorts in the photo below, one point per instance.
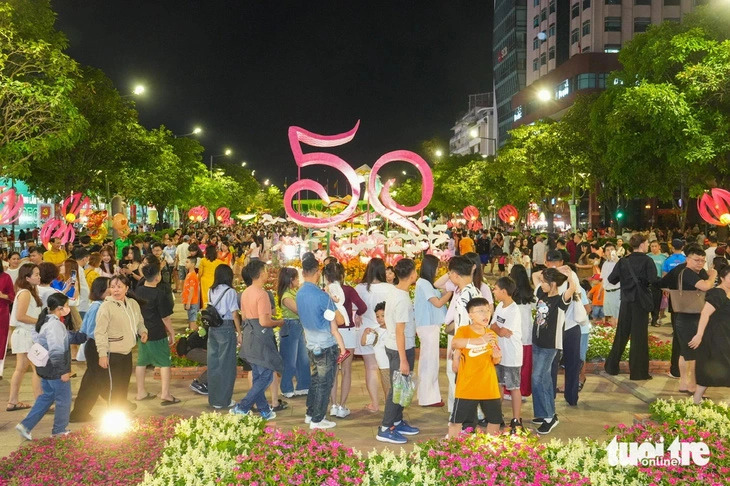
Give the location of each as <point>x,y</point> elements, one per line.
<point>193,312</point>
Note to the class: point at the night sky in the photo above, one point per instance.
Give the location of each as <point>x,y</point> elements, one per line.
<point>245,71</point>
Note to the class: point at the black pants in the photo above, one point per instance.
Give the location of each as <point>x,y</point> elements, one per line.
<point>120,367</point>
<point>94,384</point>
<point>394,413</point>
<point>674,363</point>
<point>633,322</point>
<point>656,293</point>
<point>572,362</point>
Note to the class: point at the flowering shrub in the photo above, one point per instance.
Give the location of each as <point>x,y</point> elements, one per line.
<point>601,338</point>
<point>85,457</point>
<point>707,415</point>
<point>204,448</point>
<point>297,457</point>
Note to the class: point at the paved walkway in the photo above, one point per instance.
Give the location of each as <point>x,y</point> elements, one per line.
<point>603,401</point>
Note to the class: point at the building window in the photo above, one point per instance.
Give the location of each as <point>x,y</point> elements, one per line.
<point>575,10</point>
<point>612,24</point>
<point>586,81</point>
<point>535,64</point>
<point>586,27</point>
<point>535,44</point>
<point>562,90</point>
<point>536,3</point>
<point>642,2</point>
<point>552,6</point>
<point>602,80</point>
<point>586,4</point>
<point>543,59</point>
<point>574,36</point>
<point>551,30</point>
<point>543,15</point>
<point>613,2</point>
<point>551,53</point>
<point>536,21</point>
<point>518,113</point>
<point>641,24</point>
<point>612,48</point>
<point>671,2</point>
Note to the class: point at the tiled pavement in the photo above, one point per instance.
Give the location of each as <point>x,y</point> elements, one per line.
<point>602,402</point>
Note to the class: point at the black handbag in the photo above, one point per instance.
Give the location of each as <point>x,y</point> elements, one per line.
<point>210,316</point>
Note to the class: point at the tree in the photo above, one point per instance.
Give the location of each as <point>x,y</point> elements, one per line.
<point>36,112</point>
<point>269,200</point>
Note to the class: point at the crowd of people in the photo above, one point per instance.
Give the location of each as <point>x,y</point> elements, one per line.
<point>506,341</point>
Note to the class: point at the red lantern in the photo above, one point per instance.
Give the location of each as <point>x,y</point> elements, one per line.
<point>222,214</point>
<point>715,207</point>
<point>198,214</point>
<point>470,213</point>
<point>508,213</point>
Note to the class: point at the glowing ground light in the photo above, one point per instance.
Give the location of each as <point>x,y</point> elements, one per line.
<point>115,423</point>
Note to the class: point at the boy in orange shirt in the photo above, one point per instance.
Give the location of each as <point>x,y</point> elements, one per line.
<point>475,354</point>
<point>191,293</point>
<point>596,295</point>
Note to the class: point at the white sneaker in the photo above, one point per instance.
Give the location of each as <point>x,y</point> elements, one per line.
<point>507,397</point>
<point>307,419</point>
<point>288,395</point>
<point>299,393</point>
<point>324,424</point>
<point>343,411</point>
<point>334,410</point>
<point>24,432</point>
<point>61,434</point>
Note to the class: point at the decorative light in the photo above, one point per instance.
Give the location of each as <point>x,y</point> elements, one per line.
<point>115,423</point>
<point>439,153</point>
<point>544,95</point>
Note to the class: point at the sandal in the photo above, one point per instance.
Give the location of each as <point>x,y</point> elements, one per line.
<point>170,402</point>
<point>580,385</point>
<point>12,407</point>
<point>149,396</point>
<point>343,356</point>
<point>370,410</point>
<point>281,406</point>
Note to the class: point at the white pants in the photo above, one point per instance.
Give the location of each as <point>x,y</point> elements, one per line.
<point>450,375</point>
<point>429,391</point>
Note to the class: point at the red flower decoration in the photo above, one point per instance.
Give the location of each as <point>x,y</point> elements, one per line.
<point>715,207</point>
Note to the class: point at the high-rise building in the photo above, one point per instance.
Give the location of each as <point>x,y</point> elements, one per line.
<point>573,45</point>
<point>476,131</point>
<point>509,58</point>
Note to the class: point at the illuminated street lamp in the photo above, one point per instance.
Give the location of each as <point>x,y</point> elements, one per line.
<point>544,95</point>
<point>196,131</point>
<point>139,89</point>
<point>439,152</point>
<point>243,164</point>
<point>266,182</point>
<point>474,133</point>
<point>226,153</point>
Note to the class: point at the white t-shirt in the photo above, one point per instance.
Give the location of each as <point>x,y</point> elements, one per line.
<point>451,287</point>
<point>182,253</point>
<point>336,292</point>
<point>527,322</point>
<point>379,348</point>
<point>510,317</point>
<point>399,308</point>
<point>461,316</point>
<point>254,250</point>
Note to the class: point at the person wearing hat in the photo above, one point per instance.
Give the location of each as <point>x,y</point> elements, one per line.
<point>636,273</point>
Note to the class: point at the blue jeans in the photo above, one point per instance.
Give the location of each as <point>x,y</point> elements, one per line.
<point>323,376</point>
<point>293,349</point>
<point>543,391</point>
<point>262,378</point>
<point>221,364</point>
<point>53,391</point>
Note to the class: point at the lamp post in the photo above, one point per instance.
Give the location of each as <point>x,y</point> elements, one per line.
<point>226,153</point>
<point>474,133</point>
<point>137,91</point>
<point>196,131</point>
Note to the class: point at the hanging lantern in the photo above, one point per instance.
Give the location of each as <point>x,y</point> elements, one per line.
<point>508,213</point>
<point>222,214</point>
<point>715,207</point>
<point>13,206</point>
<point>470,213</point>
<point>198,214</point>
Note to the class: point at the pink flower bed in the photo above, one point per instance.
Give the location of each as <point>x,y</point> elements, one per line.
<point>85,457</point>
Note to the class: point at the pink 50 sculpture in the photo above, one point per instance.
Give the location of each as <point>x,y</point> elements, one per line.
<point>12,206</point>
<point>715,207</point>
<point>388,208</point>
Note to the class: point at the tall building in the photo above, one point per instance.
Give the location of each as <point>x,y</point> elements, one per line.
<point>476,130</point>
<point>509,58</point>
<point>572,46</point>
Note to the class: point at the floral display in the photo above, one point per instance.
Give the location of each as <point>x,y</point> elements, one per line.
<point>87,457</point>
<point>601,337</point>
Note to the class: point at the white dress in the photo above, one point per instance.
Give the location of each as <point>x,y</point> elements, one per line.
<point>378,293</point>
<point>22,338</point>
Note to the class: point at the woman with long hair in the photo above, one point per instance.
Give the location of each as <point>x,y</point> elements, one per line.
<point>23,317</point>
<point>95,382</point>
<point>372,290</point>
<point>118,323</point>
<point>130,265</point>
<point>222,340</point>
<point>292,346</point>
<point>7,295</point>
<point>524,297</point>
<point>108,267</point>
<point>206,272</point>
<point>430,311</point>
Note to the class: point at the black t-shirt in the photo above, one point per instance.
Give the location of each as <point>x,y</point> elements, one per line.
<point>157,304</point>
<point>547,331</point>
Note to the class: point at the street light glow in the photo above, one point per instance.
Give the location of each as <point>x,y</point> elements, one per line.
<point>228,152</point>
<point>544,95</point>
<point>439,153</point>
<point>253,172</point>
<point>243,164</point>
<point>197,130</point>
<point>473,133</point>
<point>404,172</point>
<point>138,90</point>
<point>266,182</point>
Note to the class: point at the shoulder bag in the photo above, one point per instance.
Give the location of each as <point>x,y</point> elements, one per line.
<point>210,316</point>
<point>686,301</point>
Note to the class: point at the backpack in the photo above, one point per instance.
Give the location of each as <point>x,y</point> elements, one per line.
<point>210,316</point>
